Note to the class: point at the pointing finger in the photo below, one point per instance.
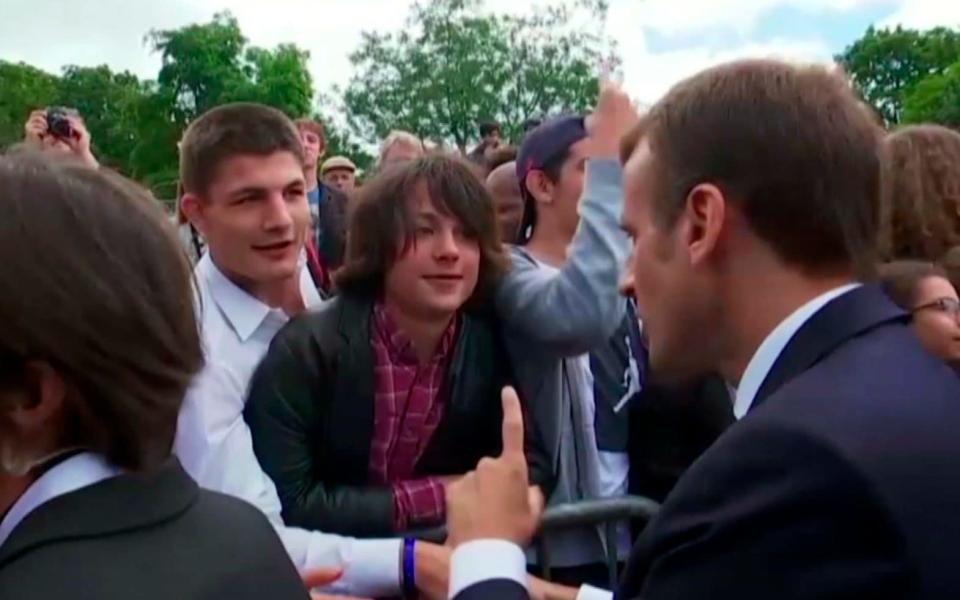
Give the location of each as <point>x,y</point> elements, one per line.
<point>512,424</point>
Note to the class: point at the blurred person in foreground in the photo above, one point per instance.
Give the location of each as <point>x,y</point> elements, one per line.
<point>241,167</point>
<point>60,132</point>
<point>96,352</point>
<point>839,480</point>
<point>923,290</point>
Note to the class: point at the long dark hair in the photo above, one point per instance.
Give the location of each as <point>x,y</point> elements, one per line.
<point>381,221</point>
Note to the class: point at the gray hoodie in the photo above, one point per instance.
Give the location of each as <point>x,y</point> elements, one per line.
<point>552,319</point>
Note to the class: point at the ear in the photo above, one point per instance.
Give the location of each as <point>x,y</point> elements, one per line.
<point>540,186</point>
<point>43,398</point>
<point>194,209</point>
<point>705,215</point>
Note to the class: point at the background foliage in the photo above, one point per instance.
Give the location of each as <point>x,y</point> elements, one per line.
<point>452,65</point>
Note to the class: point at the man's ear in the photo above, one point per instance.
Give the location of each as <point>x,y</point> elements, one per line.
<point>43,397</point>
<point>705,214</point>
<point>193,209</point>
<point>540,186</point>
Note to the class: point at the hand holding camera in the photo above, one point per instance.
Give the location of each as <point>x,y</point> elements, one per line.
<point>58,129</point>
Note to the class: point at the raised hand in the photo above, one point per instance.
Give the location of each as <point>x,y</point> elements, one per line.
<point>614,115</point>
<point>494,501</point>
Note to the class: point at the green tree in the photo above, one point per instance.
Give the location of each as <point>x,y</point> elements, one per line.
<point>109,103</point>
<point>203,66</point>
<point>455,65</point>
<point>887,64</point>
<point>935,99</point>
<point>23,88</point>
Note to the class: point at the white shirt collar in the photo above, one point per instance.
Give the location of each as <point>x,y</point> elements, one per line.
<point>78,471</point>
<point>768,352</point>
<point>242,310</point>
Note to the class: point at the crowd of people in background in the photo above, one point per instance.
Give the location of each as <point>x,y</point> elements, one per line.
<point>741,304</point>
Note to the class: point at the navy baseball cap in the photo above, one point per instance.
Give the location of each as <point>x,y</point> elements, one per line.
<point>540,146</point>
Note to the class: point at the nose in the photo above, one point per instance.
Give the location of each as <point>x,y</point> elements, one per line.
<point>276,213</point>
<point>445,247</point>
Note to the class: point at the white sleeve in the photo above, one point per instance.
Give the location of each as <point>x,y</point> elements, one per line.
<point>214,445</point>
<point>588,592</point>
<point>482,560</point>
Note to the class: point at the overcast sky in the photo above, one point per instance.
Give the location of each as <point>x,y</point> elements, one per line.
<point>661,41</point>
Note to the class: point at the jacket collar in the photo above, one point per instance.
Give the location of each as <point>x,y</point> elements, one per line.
<point>126,502</point>
<point>846,317</point>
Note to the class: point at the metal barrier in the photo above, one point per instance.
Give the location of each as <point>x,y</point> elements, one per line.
<point>606,512</point>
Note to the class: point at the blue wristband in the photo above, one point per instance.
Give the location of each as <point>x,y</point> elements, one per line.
<point>409,569</point>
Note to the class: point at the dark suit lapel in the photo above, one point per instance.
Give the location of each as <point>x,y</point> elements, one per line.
<point>843,318</point>
<point>123,503</point>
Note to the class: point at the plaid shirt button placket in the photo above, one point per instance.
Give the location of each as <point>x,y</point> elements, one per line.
<point>407,412</point>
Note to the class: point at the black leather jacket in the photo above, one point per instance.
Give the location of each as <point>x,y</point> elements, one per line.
<point>311,412</point>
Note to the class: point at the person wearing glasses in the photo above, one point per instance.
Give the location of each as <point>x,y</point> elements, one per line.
<point>924,290</point>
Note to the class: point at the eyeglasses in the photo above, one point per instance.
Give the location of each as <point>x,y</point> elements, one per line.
<point>950,306</point>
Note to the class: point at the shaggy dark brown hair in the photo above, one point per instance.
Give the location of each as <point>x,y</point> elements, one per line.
<point>382,222</point>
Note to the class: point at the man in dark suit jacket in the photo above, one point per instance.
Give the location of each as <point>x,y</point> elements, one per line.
<point>96,352</point>
<point>752,202</point>
<point>153,535</point>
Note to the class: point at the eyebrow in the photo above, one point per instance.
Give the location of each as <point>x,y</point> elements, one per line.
<point>256,189</point>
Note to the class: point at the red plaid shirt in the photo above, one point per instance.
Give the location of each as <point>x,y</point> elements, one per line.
<point>408,407</point>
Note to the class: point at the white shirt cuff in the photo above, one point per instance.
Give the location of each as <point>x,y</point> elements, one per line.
<point>482,560</point>
<point>371,568</point>
<point>374,567</point>
<point>588,592</point>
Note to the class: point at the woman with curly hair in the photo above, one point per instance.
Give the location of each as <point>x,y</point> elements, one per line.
<point>920,193</point>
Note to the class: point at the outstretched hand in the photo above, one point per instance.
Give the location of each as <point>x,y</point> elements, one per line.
<point>315,578</point>
<point>494,501</point>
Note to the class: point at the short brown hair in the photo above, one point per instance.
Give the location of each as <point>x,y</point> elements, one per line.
<point>502,156</point>
<point>231,130</point>
<point>95,283</point>
<point>921,193</point>
<point>790,144</point>
<point>312,125</point>
<point>382,222</point>
<point>899,279</point>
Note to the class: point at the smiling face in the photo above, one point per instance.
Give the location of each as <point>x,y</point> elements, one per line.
<point>936,318</point>
<point>437,271</point>
<point>254,217</point>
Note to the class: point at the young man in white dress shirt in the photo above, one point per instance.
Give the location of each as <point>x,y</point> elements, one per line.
<point>244,190</point>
